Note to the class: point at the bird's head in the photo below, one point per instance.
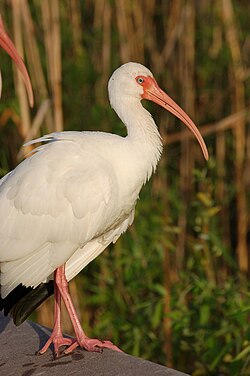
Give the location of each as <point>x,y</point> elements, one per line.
<point>135,80</point>
<point>123,80</point>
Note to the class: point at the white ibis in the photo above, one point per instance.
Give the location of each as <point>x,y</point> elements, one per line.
<point>61,207</point>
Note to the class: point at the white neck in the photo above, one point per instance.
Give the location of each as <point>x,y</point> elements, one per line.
<point>142,132</point>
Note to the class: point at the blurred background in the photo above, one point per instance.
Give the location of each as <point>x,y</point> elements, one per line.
<point>175,288</point>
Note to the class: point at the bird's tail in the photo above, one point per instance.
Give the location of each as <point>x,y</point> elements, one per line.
<point>22,301</point>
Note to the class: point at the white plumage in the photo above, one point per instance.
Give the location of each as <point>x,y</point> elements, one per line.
<point>69,192</point>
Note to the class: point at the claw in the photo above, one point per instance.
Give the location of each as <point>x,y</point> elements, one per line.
<point>57,341</point>
<point>93,345</point>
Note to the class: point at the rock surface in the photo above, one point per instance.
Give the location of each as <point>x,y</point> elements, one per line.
<point>17,357</point>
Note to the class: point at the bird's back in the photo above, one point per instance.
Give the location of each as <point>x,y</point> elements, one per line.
<point>60,204</point>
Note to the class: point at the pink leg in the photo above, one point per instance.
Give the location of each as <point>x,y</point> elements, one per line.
<point>56,336</point>
<point>82,340</point>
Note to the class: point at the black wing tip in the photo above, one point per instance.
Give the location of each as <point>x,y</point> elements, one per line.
<point>22,301</point>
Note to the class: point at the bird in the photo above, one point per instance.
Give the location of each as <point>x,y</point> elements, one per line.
<point>7,44</point>
<point>72,197</point>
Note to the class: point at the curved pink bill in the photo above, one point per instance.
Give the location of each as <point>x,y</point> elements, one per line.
<point>8,46</point>
<point>154,93</point>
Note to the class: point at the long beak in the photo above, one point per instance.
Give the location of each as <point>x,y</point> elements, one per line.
<point>8,46</point>
<point>154,93</point>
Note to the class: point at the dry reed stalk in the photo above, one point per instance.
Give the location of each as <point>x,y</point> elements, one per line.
<point>130,26</point>
<point>52,36</point>
<point>220,150</point>
<point>38,120</point>
<point>76,22</point>
<point>130,36</point>
<point>20,87</point>
<point>104,63</point>
<point>98,11</point>
<point>56,65</point>
<point>123,29</point>
<point>140,30</point>
<point>208,129</point>
<point>151,42</point>
<point>239,132</point>
<point>45,12</point>
<point>174,28</point>
<point>97,28</point>
<point>36,71</point>
<point>35,127</point>
<point>186,161</point>
<point>106,42</point>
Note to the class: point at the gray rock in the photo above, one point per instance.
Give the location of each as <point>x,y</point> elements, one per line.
<point>19,344</point>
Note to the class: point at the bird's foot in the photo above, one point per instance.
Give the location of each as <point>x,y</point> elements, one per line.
<point>57,341</point>
<point>92,344</point>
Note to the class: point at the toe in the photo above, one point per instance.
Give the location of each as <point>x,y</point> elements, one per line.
<point>92,344</point>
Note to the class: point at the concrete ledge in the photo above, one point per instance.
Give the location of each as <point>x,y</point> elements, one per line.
<point>17,357</point>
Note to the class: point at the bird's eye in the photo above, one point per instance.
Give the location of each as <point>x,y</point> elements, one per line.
<point>140,80</point>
